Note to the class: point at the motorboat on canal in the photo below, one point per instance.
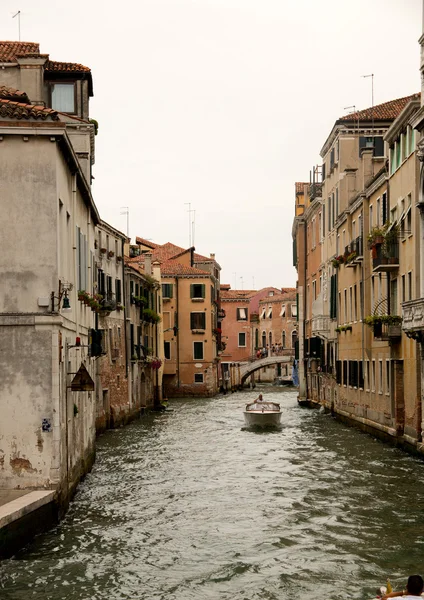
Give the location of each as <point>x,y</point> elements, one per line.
<point>262,413</point>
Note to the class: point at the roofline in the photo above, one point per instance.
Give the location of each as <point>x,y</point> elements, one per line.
<point>112,229</point>
<point>403,119</point>
<point>57,132</point>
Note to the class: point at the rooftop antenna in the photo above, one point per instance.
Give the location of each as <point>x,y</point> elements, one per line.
<point>18,14</point>
<point>126,211</point>
<point>372,99</point>
<point>242,281</point>
<point>193,224</point>
<point>354,111</point>
<point>189,223</point>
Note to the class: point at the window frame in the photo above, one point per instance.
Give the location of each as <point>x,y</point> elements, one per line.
<point>238,339</point>
<point>68,84</point>
<point>198,345</point>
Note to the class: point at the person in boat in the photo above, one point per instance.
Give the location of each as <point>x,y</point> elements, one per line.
<point>414,588</point>
<point>260,398</point>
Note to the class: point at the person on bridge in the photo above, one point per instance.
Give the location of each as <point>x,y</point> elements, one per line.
<point>414,588</point>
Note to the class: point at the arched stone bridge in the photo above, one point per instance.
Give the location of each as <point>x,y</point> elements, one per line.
<point>250,367</point>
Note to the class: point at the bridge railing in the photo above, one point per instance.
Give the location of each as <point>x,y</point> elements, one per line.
<point>281,352</point>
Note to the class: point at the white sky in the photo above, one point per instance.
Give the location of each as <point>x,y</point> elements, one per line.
<point>223,104</point>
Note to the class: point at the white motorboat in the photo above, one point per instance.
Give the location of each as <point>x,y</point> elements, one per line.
<point>260,413</point>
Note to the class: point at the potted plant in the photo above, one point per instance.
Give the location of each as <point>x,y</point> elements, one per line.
<point>82,295</point>
<point>111,254</point>
<point>103,250</point>
<point>376,236</point>
<point>119,307</point>
<point>118,258</point>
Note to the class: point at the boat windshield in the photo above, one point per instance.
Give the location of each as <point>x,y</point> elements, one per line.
<point>263,406</point>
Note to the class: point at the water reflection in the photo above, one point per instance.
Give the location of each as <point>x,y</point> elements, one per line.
<point>187,505</point>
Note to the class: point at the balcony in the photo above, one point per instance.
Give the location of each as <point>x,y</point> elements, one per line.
<point>385,257</point>
<point>321,326</point>
<point>413,319</point>
<point>108,302</point>
<point>315,191</point>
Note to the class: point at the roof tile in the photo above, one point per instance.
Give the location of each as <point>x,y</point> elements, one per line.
<point>382,112</point>
<point>19,110</point>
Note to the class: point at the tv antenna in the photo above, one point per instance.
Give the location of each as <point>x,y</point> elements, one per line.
<point>126,211</point>
<point>353,111</point>
<point>18,14</point>
<point>372,99</point>
<point>190,225</point>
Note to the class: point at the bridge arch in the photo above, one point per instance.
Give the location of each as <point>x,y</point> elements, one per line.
<point>248,368</point>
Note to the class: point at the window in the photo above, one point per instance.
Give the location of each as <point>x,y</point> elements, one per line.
<point>283,339</point>
<point>294,310</point>
<point>63,97</point>
<point>167,290</point>
<point>393,297</point>
<point>242,340</point>
<point>380,376</point>
<point>387,376</point>
<point>197,291</point>
<point>263,311</point>
<point>269,312</point>
<point>313,233</point>
<point>408,216</point>
<point>373,376</point>
<point>355,299</point>
<point>345,306</point>
<point>314,290</point>
<point>197,320</point>
<point>384,208</point>
<point>350,305</point>
<point>403,289</point>
<point>167,350</point>
<point>198,378</point>
<point>118,290</point>
<point>283,311</point>
<point>410,285</point>
<point>198,350</point>
<point>241,314</point>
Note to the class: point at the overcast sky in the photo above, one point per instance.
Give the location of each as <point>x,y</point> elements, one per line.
<point>223,104</point>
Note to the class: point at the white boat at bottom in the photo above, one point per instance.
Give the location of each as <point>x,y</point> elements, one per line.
<point>262,413</point>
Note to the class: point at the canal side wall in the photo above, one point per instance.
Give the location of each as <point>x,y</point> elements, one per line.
<point>323,391</point>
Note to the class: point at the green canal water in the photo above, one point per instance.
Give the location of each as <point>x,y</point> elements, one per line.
<point>188,505</point>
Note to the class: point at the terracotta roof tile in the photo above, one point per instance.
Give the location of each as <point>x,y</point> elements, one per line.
<point>144,242</point>
<point>19,110</point>
<point>10,50</point>
<point>171,267</point>
<point>65,67</point>
<point>8,93</point>
<point>382,112</point>
<point>236,294</point>
<point>300,187</point>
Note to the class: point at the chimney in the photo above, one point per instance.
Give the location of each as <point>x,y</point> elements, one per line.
<point>148,263</point>
<point>213,256</point>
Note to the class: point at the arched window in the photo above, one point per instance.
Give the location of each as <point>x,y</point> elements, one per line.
<point>294,338</point>
<point>283,339</point>
<point>270,340</point>
<point>263,339</point>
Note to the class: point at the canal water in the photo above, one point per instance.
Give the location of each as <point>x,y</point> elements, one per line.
<point>188,505</point>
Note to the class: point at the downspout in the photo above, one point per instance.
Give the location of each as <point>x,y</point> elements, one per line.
<point>124,299</point>
<point>176,321</point>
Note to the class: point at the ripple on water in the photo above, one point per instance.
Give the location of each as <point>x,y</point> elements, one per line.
<point>188,505</point>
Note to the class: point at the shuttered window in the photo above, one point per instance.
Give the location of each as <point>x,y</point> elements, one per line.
<point>167,290</point>
<point>197,290</point>
<point>197,320</point>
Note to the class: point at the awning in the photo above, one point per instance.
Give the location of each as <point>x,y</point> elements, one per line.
<point>294,310</point>
<point>242,314</point>
<point>263,313</point>
<point>283,311</point>
<point>269,313</point>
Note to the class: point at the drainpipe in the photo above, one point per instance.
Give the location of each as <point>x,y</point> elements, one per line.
<point>178,333</point>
